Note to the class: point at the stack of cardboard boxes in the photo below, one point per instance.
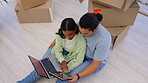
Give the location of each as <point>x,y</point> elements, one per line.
<point>34,11</point>
<point>118,16</point>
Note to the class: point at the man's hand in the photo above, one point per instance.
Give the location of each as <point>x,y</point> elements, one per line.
<point>52,44</point>
<point>73,78</point>
<point>64,66</point>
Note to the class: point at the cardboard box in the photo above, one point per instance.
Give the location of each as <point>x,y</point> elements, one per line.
<point>117,33</point>
<point>113,17</point>
<point>40,14</point>
<point>27,4</point>
<point>122,5</point>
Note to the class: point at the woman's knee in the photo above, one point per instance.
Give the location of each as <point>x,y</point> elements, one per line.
<point>47,54</point>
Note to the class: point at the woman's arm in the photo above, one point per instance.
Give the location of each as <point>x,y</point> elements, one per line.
<point>80,53</point>
<point>52,44</point>
<point>58,43</point>
<point>57,49</point>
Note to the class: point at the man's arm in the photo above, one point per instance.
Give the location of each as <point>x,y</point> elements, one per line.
<point>89,70</point>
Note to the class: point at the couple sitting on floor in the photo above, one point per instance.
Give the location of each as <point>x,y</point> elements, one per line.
<point>82,50</point>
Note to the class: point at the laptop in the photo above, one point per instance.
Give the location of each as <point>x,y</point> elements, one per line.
<point>48,67</point>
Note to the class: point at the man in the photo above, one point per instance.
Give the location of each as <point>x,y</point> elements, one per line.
<point>98,46</point>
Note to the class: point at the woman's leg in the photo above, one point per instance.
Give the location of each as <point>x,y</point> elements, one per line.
<point>48,52</point>
<point>33,76</point>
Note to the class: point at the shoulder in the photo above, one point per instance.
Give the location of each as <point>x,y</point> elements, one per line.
<point>80,39</point>
<point>58,37</point>
<point>101,41</point>
<point>100,38</point>
<point>103,30</point>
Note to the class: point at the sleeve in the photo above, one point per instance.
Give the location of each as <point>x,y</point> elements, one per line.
<point>101,50</point>
<point>80,53</point>
<point>58,49</point>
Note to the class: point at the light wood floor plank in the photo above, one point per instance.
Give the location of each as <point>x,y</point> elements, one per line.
<point>127,63</point>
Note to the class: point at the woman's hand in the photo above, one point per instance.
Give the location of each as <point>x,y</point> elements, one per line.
<point>52,44</point>
<point>73,78</point>
<point>64,66</point>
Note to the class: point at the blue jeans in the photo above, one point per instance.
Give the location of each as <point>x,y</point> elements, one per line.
<point>33,76</point>
<point>80,68</point>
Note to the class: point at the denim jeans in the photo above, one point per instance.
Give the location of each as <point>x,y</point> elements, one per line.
<point>80,68</point>
<point>33,76</point>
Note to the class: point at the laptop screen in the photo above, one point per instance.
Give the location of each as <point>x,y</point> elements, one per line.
<point>38,67</point>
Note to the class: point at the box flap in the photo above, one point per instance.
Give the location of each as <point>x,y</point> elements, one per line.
<point>121,36</point>
<point>115,31</point>
<point>135,5</point>
<point>111,16</point>
<point>48,5</point>
<point>28,4</point>
<point>97,5</point>
<point>127,4</point>
<point>114,3</point>
<point>121,5</point>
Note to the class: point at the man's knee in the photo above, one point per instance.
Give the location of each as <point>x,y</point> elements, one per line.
<point>100,68</point>
<point>80,68</point>
<point>74,72</point>
<point>60,81</point>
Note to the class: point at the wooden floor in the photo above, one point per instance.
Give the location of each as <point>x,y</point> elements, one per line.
<point>128,62</point>
<point>143,9</point>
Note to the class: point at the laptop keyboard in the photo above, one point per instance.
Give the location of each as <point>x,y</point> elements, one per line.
<point>48,65</point>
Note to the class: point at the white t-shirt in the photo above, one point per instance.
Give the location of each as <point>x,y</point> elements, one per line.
<point>69,43</point>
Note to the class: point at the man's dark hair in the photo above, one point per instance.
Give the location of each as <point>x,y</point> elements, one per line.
<point>90,21</point>
<point>68,24</point>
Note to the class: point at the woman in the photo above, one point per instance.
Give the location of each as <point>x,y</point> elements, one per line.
<point>69,49</point>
